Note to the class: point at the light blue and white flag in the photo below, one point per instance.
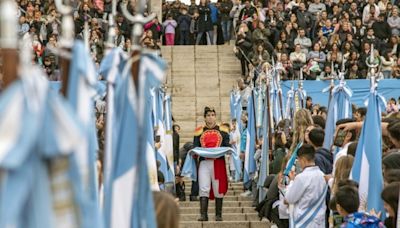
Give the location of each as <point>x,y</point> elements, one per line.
<point>167,146</point>
<point>299,98</point>
<point>338,108</point>
<point>39,185</point>
<point>236,108</point>
<point>162,113</point>
<point>367,166</point>
<point>292,160</point>
<point>81,91</point>
<point>190,169</point>
<point>296,100</point>
<point>232,104</point>
<point>129,202</point>
<point>236,113</point>
<point>276,104</point>
<point>264,169</point>
<point>111,69</point>
<point>249,161</point>
<point>258,102</point>
<point>290,105</point>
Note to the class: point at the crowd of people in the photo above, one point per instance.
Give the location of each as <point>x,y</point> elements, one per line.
<point>318,168</point>
<point>318,37</point>
<point>317,172</point>
<point>312,39</point>
<point>315,37</point>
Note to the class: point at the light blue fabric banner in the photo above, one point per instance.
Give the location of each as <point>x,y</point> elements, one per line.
<point>387,88</point>
<point>361,88</point>
<point>189,167</point>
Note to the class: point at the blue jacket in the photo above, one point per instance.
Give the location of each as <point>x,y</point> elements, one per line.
<point>324,160</point>
<point>214,13</point>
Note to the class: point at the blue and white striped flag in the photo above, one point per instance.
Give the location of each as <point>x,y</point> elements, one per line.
<point>129,200</point>
<point>264,169</point>
<point>161,111</point>
<point>296,100</point>
<point>275,103</point>
<point>232,104</point>
<point>367,166</point>
<point>290,105</point>
<point>249,161</point>
<point>338,108</point>
<point>292,160</point>
<point>38,167</point>
<point>81,91</point>
<point>190,168</point>
<point>111,69</point>
<point>258,101</point>
<point>168,147</point>
<point>236,113</point>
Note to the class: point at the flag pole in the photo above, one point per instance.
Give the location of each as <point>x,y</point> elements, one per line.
<point>8,41</point>
<point>254,112</point>
<point>138,20</point>
<point>371,65</point>
<point>66,41</point>
<point>107,160</point>
<point>278,84</point>
<point>332,84</point>
<point>342,72</point>
<point>268,110</point>
<point>111,26</point>
<point>300,90</point>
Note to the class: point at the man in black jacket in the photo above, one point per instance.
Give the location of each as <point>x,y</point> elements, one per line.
<point>226,21</point>
<point>382,29</point>
<point>184,27</point>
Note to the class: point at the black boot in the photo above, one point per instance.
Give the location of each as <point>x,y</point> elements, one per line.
<point>203,209</point>
<point>180,191</point>
<point>218,209</point>
<point>194,198</point>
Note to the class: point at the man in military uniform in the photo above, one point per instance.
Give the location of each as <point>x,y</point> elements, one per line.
<point>212,178</point>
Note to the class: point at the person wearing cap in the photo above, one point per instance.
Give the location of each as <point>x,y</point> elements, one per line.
<point>212,172</point>
<point>307,191</point>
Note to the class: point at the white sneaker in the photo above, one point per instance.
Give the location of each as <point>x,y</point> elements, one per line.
<point>246,193</point>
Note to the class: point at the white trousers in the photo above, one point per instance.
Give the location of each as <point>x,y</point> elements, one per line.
<point>207,179</point>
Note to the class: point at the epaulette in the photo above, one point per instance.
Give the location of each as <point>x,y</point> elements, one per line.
<point>199,130</point>
<point>224,129</point>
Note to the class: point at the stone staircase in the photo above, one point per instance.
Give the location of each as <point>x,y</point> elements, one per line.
<point>199,76</point>
<point>237,211</point>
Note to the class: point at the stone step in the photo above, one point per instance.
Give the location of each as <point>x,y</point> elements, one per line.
<point>237,189</point>
<point>194,210</point>
<point>229,193</point>
<point>231,185</point>
<point>211,203</point>
<point>226,217</point>
<point>230,198</point>
<point>226,224</point>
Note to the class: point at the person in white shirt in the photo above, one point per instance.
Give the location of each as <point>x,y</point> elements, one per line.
<point>366,11</point>
<point>245,92</point>
<point>234,137</point>
<point>307,192</point>
<point>305,42</point>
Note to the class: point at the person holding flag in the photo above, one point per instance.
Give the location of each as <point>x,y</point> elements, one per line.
<point>307,192</point>
<point>212,171</point>
<point>367,167</point>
